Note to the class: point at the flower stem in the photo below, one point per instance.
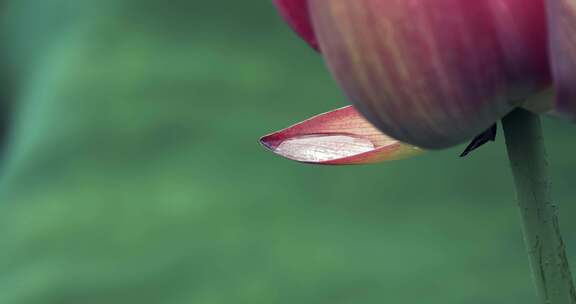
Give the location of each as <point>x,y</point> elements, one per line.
<point>527,156</point>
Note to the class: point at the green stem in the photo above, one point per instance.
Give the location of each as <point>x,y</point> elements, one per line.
<point>527,156</point>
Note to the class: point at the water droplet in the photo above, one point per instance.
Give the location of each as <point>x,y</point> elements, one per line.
<point>323,147</point>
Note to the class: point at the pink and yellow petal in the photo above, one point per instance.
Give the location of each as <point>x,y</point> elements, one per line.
<point>432,73</point>
<point>541,103</point>
<point>562,26</point>
<point>296,14</point>
<point>339,137</point>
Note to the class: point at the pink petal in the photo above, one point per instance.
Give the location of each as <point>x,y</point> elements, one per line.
<point>562,25</point>
<point>295,12</point>
<point>339,137</point>
<point>522,32</point>
<point>434,73</point>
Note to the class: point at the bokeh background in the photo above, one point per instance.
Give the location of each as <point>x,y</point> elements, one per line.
<point>131,172</point>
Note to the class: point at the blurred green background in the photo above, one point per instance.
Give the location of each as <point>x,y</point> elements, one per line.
<point>132,172</point>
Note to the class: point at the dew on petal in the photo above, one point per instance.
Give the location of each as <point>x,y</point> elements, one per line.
<point>323,147</point>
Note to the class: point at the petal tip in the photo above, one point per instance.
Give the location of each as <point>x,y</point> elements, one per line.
<point>296,14</point>
<point>264,142</point>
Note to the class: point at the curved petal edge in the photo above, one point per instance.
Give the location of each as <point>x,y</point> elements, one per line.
<point>562,26</point>
<point>338,137</point>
